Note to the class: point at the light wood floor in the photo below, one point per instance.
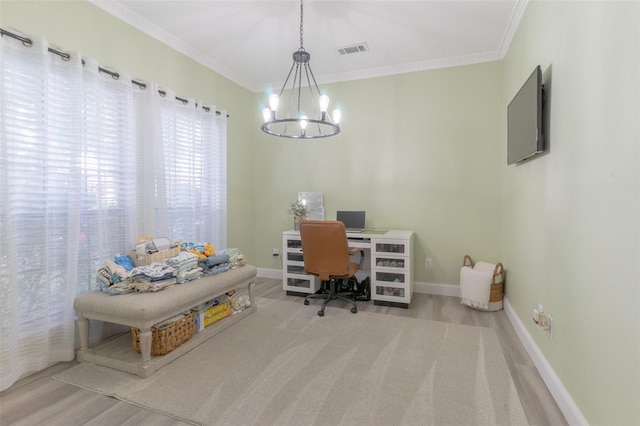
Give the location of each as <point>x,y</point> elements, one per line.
<point>39,400</point>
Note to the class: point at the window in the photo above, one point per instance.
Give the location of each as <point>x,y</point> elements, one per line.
<point>79,151</point>
<point>194,143</point>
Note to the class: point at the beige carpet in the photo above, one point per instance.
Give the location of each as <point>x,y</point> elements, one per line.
<point>284,365</point>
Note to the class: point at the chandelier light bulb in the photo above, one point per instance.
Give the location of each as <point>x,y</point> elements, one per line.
<point>273,101</point>
<point>303,122</point>
<point>337,114</point>
<point>266,114</point>
<point>324,103</point>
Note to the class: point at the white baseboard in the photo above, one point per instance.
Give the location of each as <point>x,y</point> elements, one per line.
<point>419,287</point>
<point>270,273</point>
<point>560,395</point>
<point>437,289</point>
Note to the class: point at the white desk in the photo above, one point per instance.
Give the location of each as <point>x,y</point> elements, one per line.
<point>387,262</point>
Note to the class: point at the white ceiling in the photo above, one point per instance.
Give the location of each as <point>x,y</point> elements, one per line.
<point>251,42</point>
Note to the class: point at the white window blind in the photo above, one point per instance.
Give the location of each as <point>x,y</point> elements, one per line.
<point>194,142</point>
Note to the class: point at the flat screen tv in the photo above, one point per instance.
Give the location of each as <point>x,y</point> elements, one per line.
<point>524,120</point>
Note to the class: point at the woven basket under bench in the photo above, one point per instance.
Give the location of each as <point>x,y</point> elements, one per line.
<point>168,337</point>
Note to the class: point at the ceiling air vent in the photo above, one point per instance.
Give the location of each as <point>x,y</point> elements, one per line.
<point>354,48</point>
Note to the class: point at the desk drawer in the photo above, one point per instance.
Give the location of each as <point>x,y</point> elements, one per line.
<point>293,243</point>
<point>389,277</point>
<point>299,283</point>
<point>391,262</point>
<point>395,247</point>
<point>295,257</point>
<point>391,293</point>
<point>391,284</point>
<point>294,269</point>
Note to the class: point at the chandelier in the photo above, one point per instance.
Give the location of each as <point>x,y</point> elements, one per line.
<point>302,95</point>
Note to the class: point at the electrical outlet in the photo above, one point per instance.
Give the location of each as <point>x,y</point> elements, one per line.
<point>276,252</point>
<point>543,320</point>
<point>427,263</point>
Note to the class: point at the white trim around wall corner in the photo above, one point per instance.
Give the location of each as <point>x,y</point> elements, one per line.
<point>560,395</point>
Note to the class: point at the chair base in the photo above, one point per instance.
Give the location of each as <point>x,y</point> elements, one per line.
<point>332,295</point>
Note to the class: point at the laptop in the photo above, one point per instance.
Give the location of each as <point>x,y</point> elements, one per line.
<point>353,220</point>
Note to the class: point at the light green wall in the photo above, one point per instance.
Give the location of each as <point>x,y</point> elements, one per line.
<point>78,25</point>
<point>570,229</point>
<point>417,151</point>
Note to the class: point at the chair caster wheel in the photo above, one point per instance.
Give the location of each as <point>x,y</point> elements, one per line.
<point>354,310</point>
<point>320,313</point>
<point>306,302</point>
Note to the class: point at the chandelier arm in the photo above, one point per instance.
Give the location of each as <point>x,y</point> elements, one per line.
<point>307,69</point>
<point>284,86</point>
<point>295,65</point>
<point>327,117</point>
<point>300,89</point>
<point>293,88</point>
<point>313,77</point>
<point>287,80</point>
<point>323,116</point>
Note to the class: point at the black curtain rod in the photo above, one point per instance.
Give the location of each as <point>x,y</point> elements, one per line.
<point>65,56</point>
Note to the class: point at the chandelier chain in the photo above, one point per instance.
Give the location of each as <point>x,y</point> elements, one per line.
<point>301,17</point>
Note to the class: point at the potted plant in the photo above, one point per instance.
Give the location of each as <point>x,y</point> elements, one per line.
<point>300,212</point>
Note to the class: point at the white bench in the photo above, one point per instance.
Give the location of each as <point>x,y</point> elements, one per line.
<point>143,310</point>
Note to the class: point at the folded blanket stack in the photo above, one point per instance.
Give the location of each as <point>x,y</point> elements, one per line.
<point>215,264</point>
<point>236,258</point>
<point>113,278</point>
<point>121,277</point>
<point>186,266</point>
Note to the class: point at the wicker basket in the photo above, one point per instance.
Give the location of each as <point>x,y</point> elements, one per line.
<point>497,282</point>
<point>216,313</point>
<point>143,259</point>
<point>166,338</point>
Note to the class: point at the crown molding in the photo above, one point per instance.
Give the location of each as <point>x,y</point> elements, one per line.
<point>140,23</point>
<point>511,29</point>
<point>152,30</point>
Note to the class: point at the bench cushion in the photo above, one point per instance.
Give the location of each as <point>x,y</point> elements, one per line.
<point>134,308</point>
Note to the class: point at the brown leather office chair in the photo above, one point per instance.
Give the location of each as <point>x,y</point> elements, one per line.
<point>326,255</point>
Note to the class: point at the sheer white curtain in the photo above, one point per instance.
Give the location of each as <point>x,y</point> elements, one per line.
<point>193,197</point>
<point>150,158</point>
<point>87,162</point>
<point>66,202</point>
<point>37,324</point>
